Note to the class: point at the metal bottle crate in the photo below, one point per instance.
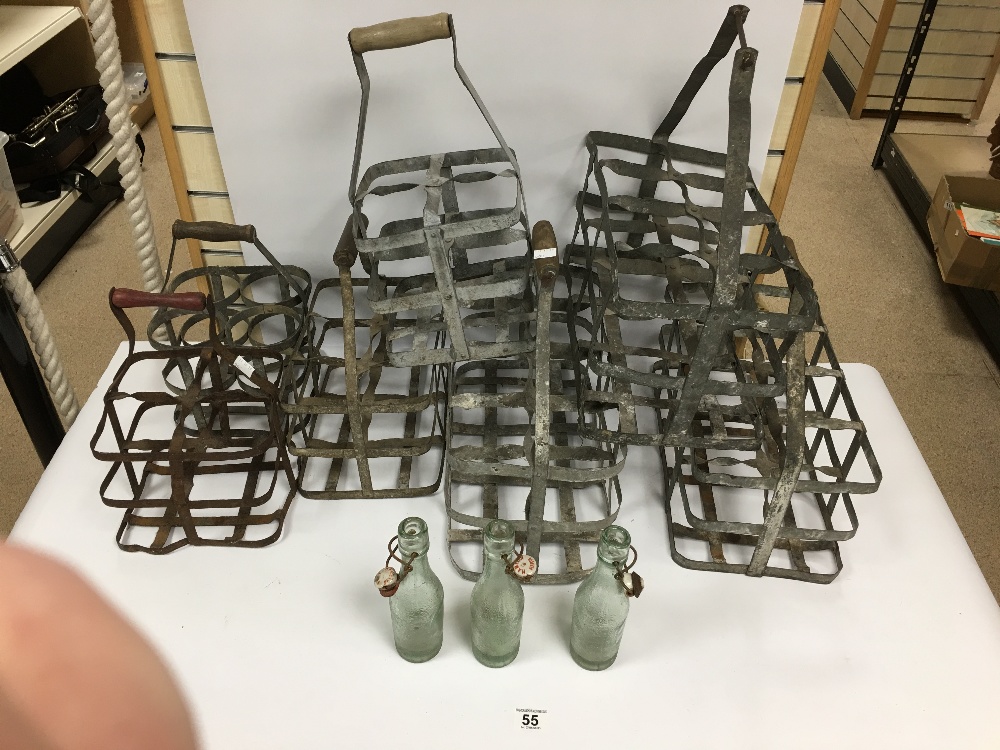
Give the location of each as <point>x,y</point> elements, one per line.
<point>359,427</point>
<point>176,458</point>
<point>469,268</point>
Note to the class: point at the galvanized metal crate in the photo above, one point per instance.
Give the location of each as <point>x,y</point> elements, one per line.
<point>780,510</point>
<point>463,268</point>
<point>359,427</point>
<point>700,349</point>
<point>661,224</point>
<point>515,451</point>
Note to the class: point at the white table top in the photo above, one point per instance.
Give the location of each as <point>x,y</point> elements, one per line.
<point>290,646</point>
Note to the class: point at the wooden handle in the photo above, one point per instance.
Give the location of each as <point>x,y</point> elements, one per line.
<point>545,250</point>
<point>124,298</point>
<point>213,231</point>
<point>403,32</point>
<point>347,250</point>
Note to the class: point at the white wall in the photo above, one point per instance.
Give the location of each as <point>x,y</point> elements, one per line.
<point>284,95</point>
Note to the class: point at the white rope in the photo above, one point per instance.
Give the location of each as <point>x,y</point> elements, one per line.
<point>109,65</point>
<point>23,294</point>
<point>15,281</point>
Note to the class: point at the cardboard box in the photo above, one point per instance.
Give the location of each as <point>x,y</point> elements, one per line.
<point>964,260</point>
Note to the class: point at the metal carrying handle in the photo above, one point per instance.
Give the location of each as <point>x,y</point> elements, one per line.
<point>545,251</point>
<point>730,30</point>
<point>402,40</point>
<point>121,299</point>
<point>213,231</point>
<point>126,298</point>
<point>402,32</point>
<point>220,231</point>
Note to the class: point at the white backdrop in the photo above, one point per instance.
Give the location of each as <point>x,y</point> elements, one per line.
<point>284,95</point>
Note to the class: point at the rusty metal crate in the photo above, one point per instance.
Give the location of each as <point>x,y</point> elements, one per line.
<point>515,451</point>
<point>176,458</point>
<point>258,307</point>
<point>672,294</point>
<point>359,427</point>
<point>815,454</point>
<point>460,250</point>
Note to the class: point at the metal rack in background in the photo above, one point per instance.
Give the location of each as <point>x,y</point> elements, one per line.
<point>981,306</point>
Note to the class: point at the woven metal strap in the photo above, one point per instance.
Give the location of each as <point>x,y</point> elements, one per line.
<point>731,28</point>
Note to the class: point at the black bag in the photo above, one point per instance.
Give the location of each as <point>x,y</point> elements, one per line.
<point>52,137</point>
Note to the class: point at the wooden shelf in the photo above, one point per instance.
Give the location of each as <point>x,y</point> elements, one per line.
<point>54,40</point>
<point>931,156</point>
<point>955,71</point>
<point>40,217</point>
<point>23,29</point>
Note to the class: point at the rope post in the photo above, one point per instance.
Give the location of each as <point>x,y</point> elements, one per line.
<point>22,294</point>
<point>109,66</point>
<point>21,374</point>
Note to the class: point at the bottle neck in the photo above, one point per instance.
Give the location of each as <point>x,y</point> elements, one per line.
<point>419,564</point>
<point>408,546</point>
<point>498,541</point>
<point>604,569</point>
<point>493,562</point>
<point>412,536</point>
<point>614,545</point>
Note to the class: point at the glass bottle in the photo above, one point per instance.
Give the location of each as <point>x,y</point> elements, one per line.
<point>497,600</point>
<point>601,605</point>
<point>417,607</point>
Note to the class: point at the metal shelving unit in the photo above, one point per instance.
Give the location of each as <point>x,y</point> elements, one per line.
<point>914,164</point>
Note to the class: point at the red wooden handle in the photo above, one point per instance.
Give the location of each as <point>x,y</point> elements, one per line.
<point>124,298</point>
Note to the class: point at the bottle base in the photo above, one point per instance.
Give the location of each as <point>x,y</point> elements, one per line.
<point>418,657</point>
<point>492,660</point>
<point>593,666</point>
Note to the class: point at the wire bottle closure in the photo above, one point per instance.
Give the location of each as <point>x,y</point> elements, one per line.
<point>387,580</point>
<point>631,582</point>
<point>522,567</point>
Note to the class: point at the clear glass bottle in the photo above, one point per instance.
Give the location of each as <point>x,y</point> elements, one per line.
<point>417,607</point>
<point>497,600</point>
<point>601,605</point>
